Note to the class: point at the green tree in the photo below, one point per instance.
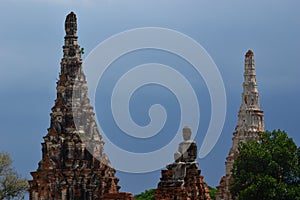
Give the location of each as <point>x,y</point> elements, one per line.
<point>268,169</point>
<point>212,192</point>
<point>11,184</point>
<point>147,195</point>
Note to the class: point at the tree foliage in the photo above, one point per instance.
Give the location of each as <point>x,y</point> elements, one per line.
<point>212,192</point>
<point>11,184</point>
<point>147,195</point>
<point>268,169</point>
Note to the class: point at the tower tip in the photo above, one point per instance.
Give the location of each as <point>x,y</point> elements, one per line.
<point>71,24</point>
<point>249,53</point>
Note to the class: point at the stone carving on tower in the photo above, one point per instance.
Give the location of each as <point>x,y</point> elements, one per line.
<point>68,170</point>
<point>182,179</point>
<point>250,124</point>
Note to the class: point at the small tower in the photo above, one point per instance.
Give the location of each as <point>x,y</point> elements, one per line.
<point>182,179</point>
<point>68,170</point>
<point>250,124</point>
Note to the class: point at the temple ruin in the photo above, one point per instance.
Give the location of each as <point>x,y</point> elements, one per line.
<point>72,168</point>
<point>68,170</point>
<point>250,124</point>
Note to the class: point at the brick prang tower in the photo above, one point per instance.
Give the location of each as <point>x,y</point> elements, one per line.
<point>250,124</point>
<point>68,170</point>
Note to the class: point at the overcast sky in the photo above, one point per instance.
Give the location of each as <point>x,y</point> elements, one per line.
<point>31,39</point>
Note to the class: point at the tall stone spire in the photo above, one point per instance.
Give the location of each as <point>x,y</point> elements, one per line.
<point>67,169</point>
<point>250,124</point>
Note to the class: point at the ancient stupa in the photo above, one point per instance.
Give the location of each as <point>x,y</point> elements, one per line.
<point>250,124</point>
<point>68,170</point>
<point>182,180</point>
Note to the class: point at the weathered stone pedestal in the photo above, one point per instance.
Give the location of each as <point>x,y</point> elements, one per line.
<point>182,179</point>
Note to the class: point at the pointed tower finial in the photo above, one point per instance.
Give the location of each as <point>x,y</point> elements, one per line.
<point>249,53</point>
<point>71,24</point>
<point>250,91</point>
<point>250,117</point>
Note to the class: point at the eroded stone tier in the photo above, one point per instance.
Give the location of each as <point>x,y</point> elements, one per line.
<point>67,169</point>
<point>250,124</point>
<point>182,180</point>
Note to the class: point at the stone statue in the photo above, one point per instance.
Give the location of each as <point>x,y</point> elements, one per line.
<point>182,179</point>
<point>187,150</point>
<point>178,171</point>
<point>186,155</point>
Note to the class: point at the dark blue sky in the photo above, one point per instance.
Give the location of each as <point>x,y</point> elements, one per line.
<point>31,37</point>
